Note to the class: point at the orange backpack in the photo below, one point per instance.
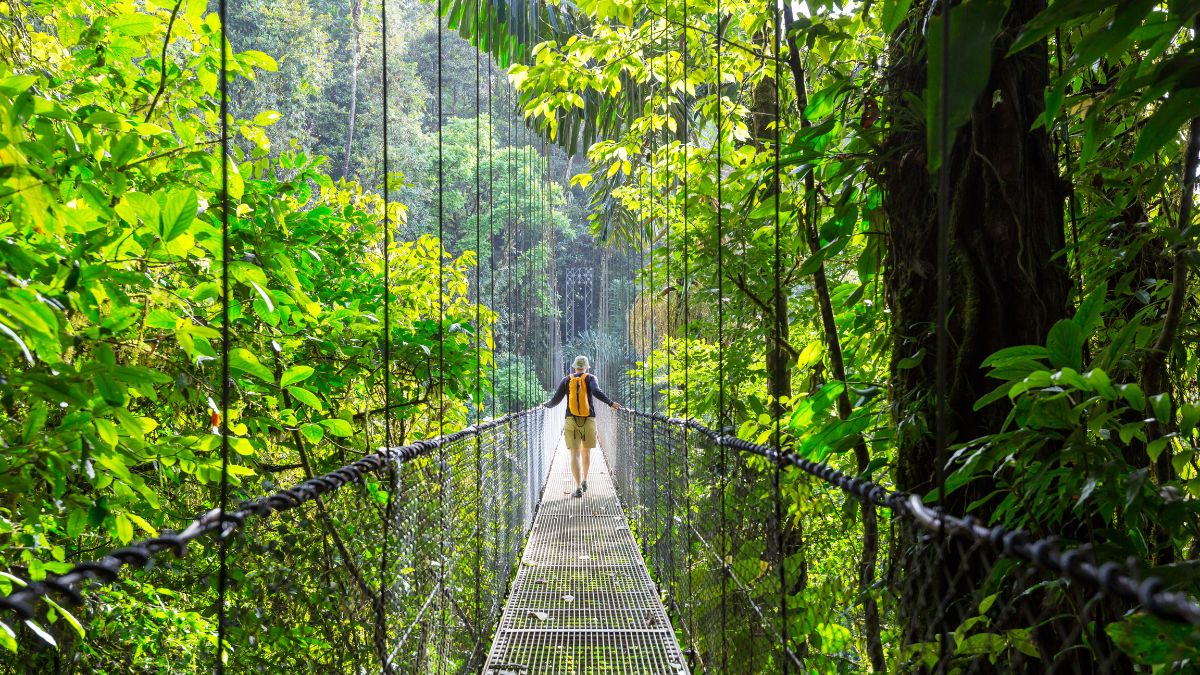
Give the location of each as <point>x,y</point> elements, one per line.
<point>578,402</point>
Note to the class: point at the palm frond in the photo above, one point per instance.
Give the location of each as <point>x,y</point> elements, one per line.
<point>509,30</point>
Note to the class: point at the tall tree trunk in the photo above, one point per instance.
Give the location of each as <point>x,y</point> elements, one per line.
<point>1005,226</point>
<point>775,314</point>
<point>356,9</point>
<point>778,362</point>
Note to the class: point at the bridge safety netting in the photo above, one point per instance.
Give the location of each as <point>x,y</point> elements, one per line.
<point>398,562</point>
<point>758,555</point>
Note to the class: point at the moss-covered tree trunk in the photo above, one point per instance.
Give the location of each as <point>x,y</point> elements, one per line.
<point>1005,285</point>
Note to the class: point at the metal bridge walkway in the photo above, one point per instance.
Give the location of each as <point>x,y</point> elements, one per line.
<point>583,601</point>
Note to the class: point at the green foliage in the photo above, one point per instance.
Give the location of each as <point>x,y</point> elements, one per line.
<point>1153,641</point>
<point>516,384</point>
<point>110,217</point>
<point>1100,429</point>
<point>110,245</point>
<point>1087,451</point>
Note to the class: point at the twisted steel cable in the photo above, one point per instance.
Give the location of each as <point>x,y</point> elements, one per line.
<point>107,569</point>
<point>1108,578</point>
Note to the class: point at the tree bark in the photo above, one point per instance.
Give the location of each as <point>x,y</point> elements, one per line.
<point>1005,226</point>
<point>778,363</point>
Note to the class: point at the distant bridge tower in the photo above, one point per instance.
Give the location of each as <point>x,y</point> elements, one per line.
<point>578,298</point>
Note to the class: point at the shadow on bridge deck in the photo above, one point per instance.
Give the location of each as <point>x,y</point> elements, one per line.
<point>583,601</point>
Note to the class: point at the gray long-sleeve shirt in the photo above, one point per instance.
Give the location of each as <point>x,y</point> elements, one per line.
<point>594,392</point>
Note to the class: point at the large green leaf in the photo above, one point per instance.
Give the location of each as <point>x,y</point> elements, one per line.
<point>1151,640</point>
<point>177,211</point>
<point>306,397</point>
<point>295,374</point>
<point>338,427</point>
<point>894,12</point>
<point>1065,344</point>
<point>243,360</point>
<point>1165,124</point>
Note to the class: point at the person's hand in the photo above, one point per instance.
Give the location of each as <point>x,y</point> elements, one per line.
<point>616,406</point>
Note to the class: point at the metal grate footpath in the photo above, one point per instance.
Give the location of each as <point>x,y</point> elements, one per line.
<point>583,601</point>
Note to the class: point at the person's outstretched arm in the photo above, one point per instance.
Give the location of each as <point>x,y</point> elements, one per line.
<point>599,393</point>
<point>558,395</point>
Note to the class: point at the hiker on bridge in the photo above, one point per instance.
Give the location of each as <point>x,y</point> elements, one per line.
<point>580,388</point>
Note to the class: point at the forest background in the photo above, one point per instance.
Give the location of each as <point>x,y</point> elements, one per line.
<point>110,222</point>
<point>1073,334</point>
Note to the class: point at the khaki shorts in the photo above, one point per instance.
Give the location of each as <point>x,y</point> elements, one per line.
<point>578,429</point>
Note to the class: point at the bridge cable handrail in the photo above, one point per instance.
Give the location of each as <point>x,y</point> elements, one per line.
<point>1109,578</point>
<point>106,569</point>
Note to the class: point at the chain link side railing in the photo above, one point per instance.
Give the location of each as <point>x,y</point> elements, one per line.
<point>954,595</point>
<point>329,574</point>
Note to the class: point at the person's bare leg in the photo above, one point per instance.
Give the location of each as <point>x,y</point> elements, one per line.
<point>585,458</point>
<point>575,464</point>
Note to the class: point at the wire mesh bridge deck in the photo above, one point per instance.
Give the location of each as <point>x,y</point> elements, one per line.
<point>583,600</point>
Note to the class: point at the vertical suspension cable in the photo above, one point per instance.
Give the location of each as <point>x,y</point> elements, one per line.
<point>511,227</point>
<point>478,402</point>
<point>540,237</point>
<point>500,530</point>
<point>780,317</point>
<point>653,345</point>
<point>643,403</point>
<point>441,361</point>
<point>478,236</point>
<point>527,227</point>
<point>650,240</point>
<point>721,344</point>
<point>687,366</point>
<point>503,531</point>
<point>381,625</point>
<point>526,244</point>
<point>534,261</point>
<point>529,252</point>
<point>544,237</point>
<point>943,250</point>
<point>518,225</point>
<point>668,215</point>
<point>524,182</point>
<point>641,311</point>
<point>226,342</point>
<point>547,237</point>
<point>492,232</point>
<point>523,257</point>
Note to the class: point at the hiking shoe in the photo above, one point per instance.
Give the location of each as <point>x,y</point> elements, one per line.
<point>584,486</point>
<point>577,493</point>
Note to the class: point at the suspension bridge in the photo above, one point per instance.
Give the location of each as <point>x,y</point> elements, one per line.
<point>672,563</point>
<point>692,551</point>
